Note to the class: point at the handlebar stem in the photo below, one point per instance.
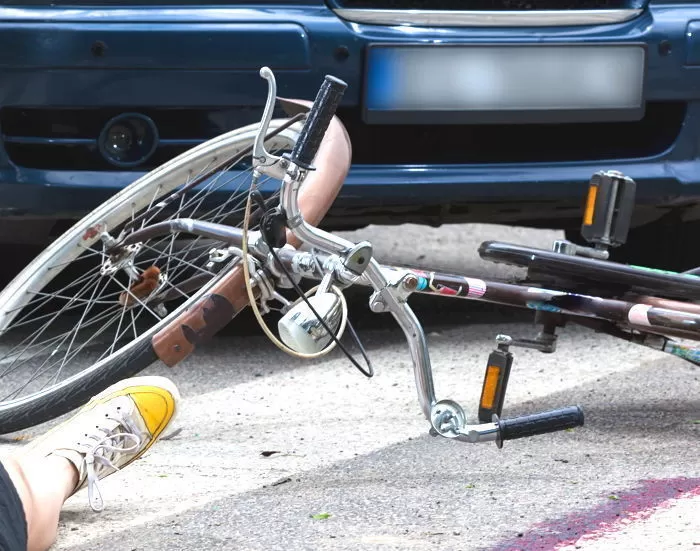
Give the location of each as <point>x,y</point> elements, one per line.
<point>306,233</point>
<point>401,311</point>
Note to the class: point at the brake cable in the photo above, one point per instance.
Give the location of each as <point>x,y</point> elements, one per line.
<point>272,230</point>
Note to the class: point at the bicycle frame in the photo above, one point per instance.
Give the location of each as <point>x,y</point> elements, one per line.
<point>394,284</point>
<point>349,263</point>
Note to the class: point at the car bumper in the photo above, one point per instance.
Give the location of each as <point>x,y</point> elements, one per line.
<point>86,60</point>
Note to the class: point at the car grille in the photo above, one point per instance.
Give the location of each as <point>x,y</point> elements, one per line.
<point>66,139</point>
<point>489,5</point>
<point>516,143</point>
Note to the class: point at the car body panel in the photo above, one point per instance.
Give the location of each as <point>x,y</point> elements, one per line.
<point>101,58</point>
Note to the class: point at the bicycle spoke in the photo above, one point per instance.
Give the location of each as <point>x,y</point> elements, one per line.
<point>77,327</point>
<point>82,346</point>
<point>73,260</point>
<point>133,324</point>
<point>78,305</point>
<point>62,338</point>
<point>67,318</point>
<point>135,297</point>
<point>164,201</point>
<point>190,264</point>
<point>119,325</point>
<point>126,329</point>
<point>48,343</point>
<point>53,318</point>
<point>41,370</point>
<point>75,283</point>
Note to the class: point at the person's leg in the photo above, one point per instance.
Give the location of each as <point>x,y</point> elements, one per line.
<point>13,527</point>
<point>42,485</point>
<point>115,428</point>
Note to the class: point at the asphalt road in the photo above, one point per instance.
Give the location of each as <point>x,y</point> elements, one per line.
<point>353,467</point>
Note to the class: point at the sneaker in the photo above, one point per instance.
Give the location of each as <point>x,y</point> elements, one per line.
<point>112,430</point>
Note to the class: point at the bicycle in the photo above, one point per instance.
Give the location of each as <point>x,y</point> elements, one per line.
<point>167,252</point>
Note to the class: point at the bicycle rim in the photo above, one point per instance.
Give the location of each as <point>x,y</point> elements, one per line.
<point>57,333</point>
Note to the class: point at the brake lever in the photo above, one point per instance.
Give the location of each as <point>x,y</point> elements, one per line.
<point>265,162</point>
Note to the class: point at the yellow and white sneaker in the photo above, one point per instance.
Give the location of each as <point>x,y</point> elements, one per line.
<point>113,429</point>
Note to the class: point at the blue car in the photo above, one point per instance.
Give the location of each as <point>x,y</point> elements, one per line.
<point>459,110</point>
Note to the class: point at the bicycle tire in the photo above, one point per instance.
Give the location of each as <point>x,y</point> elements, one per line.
<point>139,353</point>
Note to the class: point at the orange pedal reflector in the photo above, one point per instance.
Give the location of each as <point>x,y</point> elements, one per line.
<point>493,391</point>
<point>488,392</point>
<point>588,214</point>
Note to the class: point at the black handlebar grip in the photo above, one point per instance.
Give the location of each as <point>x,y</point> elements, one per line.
<point>539,423</point>
<point>320,115</point>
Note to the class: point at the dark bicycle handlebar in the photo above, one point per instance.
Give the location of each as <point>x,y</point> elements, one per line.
<point>320,115</point>
<point>539,423</point>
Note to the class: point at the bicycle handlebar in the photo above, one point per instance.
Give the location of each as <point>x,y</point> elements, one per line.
<point>387,296</point>
<point>320,115</point>
<point>539,423</point>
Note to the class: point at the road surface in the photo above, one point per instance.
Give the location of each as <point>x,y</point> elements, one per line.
<point>275,453</point>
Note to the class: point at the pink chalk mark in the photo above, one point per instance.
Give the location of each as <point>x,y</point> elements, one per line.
<point>609,517</point>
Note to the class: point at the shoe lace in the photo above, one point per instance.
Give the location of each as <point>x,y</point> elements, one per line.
<point>103,453</point>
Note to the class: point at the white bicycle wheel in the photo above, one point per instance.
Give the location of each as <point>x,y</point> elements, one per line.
<point>64,333</point>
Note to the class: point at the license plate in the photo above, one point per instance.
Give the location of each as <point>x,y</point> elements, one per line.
<point>484,84</point>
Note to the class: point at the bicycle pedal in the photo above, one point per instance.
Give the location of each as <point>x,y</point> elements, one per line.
<point>493,390</point>
<point>608,210</point>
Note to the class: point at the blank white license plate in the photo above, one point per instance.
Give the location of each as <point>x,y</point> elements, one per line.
<point>504,84</point>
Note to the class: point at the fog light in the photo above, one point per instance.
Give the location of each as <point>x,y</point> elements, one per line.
<point>128,140</point>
